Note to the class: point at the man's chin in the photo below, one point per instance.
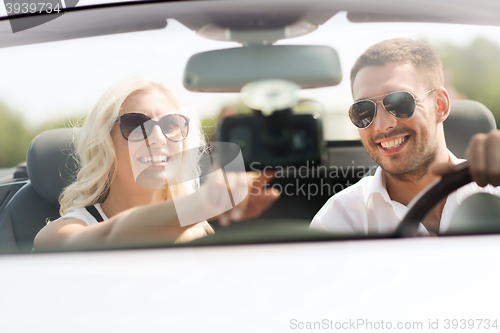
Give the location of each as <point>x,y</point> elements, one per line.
<point>395,171</point>
<point>393,165</point>
<point>406,173</point>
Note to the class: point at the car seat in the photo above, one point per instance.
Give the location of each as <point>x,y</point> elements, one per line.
<point>466,119</point>
<point>51,167</point>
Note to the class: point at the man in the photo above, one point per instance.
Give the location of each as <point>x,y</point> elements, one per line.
<point>400,105</point>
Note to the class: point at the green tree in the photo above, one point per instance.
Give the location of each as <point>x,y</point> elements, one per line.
<point>14,138</point>
<point>474,71</point>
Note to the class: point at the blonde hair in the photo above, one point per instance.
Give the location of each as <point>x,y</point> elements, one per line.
<point>95,152</point>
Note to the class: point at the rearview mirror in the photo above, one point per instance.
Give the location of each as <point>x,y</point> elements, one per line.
<point>228,70</point>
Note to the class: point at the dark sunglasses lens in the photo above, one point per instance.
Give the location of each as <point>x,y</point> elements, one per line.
<point>131,126</point>
<point>175,127</point>
<point>362,113</point>
<point>400,104</point>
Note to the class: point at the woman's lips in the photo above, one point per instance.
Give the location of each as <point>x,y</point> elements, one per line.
<point>155,159</point>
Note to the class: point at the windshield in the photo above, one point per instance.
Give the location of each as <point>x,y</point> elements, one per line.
<point>64,79</point>
<point>56,84</point>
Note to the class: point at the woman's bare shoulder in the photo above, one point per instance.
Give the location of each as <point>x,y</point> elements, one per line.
<point>57,232</point>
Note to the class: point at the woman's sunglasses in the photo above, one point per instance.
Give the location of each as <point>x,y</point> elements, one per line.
<point>138,126</point>
<point>400,104</point>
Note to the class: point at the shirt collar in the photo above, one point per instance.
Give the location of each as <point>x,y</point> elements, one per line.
<point>378,185</point>
<point>454,159</point>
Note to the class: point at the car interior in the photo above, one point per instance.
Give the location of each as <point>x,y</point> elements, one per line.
<point>27,205</point>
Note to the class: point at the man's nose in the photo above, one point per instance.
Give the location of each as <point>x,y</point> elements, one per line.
<point>383,121</point>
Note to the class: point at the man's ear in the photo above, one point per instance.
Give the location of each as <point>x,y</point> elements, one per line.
<point>442,105</point>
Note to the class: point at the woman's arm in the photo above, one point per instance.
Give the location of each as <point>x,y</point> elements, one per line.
<point>161,221</point>
<point>149,223</point>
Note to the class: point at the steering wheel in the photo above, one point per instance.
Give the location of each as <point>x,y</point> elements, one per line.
<point>425,201</point>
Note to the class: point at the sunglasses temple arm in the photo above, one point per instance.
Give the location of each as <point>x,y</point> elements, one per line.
<point>428,92</point>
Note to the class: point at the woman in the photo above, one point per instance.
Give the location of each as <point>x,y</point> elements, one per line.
<point>119,160</point>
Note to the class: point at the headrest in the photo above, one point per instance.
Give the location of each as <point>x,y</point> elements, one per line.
<point>50,163</point>
<point>466,119</point>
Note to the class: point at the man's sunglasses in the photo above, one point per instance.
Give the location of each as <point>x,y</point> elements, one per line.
<point>400,104</point>
<point>138,126</point>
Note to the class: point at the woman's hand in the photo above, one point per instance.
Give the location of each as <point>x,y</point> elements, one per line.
<point>235,196</point>
<point>258,200</point>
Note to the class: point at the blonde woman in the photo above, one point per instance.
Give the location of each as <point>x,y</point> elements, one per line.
<point>108,205</point>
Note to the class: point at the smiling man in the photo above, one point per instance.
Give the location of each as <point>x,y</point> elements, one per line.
<point>400,105</point>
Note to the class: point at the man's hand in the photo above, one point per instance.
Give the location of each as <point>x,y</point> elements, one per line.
<point>483,156</point>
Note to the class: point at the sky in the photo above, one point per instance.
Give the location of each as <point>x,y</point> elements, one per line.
<point>60,79</point>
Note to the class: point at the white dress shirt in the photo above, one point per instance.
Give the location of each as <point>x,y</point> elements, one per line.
<point>366,208</point>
